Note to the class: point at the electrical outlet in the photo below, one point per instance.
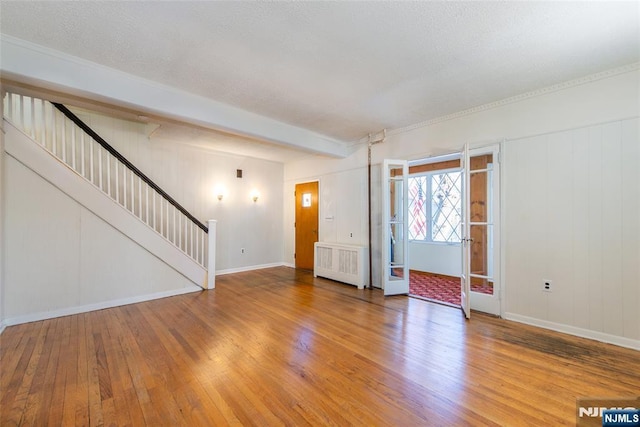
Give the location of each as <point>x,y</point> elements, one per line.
<point>546,286</point>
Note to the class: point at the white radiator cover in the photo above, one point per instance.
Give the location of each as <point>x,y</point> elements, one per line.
<point>344,263</point>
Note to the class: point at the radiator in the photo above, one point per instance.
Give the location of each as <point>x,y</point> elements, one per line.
<point>344,263</point>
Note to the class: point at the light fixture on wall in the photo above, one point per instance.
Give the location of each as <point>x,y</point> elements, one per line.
<point>219,192</point>
<point>255,195</point>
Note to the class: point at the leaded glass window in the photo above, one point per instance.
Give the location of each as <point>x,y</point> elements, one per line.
<point>435,207</point>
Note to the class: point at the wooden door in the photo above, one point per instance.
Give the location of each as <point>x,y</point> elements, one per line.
<point>306,223</point>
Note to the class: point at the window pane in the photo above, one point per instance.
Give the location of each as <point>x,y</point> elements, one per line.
<point>396,200</point>
<point>480,194</point>
<point>397,245</point>
<point>446,207</point>
<point>481,162</point>
<point>306,200</point>
<point>481,249</point>
<point>417,208</point>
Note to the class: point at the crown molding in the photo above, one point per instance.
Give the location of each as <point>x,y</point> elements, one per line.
<point>522,97</point>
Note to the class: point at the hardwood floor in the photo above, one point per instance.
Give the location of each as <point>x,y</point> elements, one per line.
<point>277,346</point>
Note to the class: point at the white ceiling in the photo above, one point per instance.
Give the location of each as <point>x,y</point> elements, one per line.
<point>340,69</point>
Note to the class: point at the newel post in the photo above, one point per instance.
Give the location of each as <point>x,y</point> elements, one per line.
<point>211,261</point>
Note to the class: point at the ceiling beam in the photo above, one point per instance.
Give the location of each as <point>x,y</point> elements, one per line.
<point>32,64</point>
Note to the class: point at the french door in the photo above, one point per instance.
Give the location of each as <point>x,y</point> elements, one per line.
<point>395,245</point>
<point>480,282</point>
<point>465,280</point>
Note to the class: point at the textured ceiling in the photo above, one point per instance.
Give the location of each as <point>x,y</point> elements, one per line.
<point>341,69</point>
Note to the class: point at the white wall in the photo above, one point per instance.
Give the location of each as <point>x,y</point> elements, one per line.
<point>2,216</point>
<point>337,222</point>
<point>190,174</point>
<point>61,258</point>
<point>338,193</point>
<point>573,204</point>
<point>437,258</point>
<point>343,216</point>
<point>591,101</point>
<point>567,106</point>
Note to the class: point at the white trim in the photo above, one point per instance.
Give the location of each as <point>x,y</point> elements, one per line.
<point>3,326</point>
<point>2,211</point>
<point>502,292</point>
<point>34,317</point>
<point>250,268</point>
<point>211,256</point>
<point>572,330</point>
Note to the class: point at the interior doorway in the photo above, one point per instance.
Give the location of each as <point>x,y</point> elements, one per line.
<point>437,232</point>
<point>435,217</point>
<point>306,223</point>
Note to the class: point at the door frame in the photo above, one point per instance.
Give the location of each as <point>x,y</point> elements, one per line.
<point>497,148</point>
<point>320,210</point>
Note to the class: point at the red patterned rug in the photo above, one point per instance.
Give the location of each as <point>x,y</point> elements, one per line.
<point>440,288</point>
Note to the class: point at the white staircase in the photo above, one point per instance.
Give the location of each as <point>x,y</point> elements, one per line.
<point>102,235</point>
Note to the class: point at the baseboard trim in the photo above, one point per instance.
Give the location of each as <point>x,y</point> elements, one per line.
<point>35,317</point>
<point>573,330</point>
<point>249,268</point>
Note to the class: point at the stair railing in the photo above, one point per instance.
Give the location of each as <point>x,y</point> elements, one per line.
<point>71,141</point>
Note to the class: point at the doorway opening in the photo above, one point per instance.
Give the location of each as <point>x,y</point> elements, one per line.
<point>440,229</point>
<point>435,232</point>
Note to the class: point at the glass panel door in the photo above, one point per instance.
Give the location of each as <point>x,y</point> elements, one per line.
<point>465,282</point>
<point>484,212</point>
<point>395,229</point>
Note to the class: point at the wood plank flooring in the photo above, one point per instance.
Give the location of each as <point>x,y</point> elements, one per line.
<point>276,346</point>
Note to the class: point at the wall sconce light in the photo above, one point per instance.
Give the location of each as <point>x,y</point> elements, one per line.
<point>255,195</point>
<point>219,192</point>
